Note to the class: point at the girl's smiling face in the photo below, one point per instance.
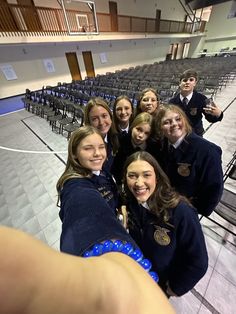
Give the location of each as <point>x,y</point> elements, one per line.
<point>91,152</point>
<point>173,126</point>
<point>100,118</point>
<point>141,180</point>
<point>123,111</point>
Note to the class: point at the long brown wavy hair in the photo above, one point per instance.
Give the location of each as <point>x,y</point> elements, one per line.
<point>164,198</point>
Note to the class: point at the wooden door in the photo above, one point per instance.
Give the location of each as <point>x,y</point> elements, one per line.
<point>158,18</point>
<point>88,63</point>
<point>73,66</point>
<point>174,51</point>
<point>113,15</point>
<point>30,15</point>
<point>185,50</point>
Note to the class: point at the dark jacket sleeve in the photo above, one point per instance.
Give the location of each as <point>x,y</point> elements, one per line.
<point>87,220</point>
<point>191,259</point>
<point>119,160</point>
<point>213,119</point>
<point>203,183</point>
<point>210,185</point>
<point>195,111</point>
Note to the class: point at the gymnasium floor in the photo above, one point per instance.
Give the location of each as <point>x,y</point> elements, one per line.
<point>32,158</point>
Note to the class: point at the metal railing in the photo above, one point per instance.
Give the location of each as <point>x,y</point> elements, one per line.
<point>22,20</point>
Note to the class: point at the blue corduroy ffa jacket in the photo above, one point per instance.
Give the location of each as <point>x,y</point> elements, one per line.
<point>177,250</point>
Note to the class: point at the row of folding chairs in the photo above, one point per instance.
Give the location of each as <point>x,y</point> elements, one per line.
<point>63,114</point>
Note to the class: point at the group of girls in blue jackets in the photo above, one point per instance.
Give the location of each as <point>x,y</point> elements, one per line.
<point>140,178</point>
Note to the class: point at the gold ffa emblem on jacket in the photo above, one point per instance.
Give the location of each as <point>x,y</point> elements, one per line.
<point>193,111</point>
<point>184,169</point>
<point>161,236</point>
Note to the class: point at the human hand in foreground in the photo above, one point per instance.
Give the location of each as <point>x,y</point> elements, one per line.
<point>36,279</point>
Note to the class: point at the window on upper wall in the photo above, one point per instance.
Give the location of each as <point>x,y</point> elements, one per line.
<point>205,13</point>
<point>201,14</point>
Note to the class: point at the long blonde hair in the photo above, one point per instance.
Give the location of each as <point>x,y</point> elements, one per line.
<point>143,117</point>
<point>158,120</point>
<point>73,167</point>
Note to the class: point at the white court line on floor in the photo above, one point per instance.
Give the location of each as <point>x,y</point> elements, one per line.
<point>31,151</point>
<point>7,113</point>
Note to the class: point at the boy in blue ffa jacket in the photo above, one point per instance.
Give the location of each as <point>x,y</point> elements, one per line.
<point>195,104</point>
